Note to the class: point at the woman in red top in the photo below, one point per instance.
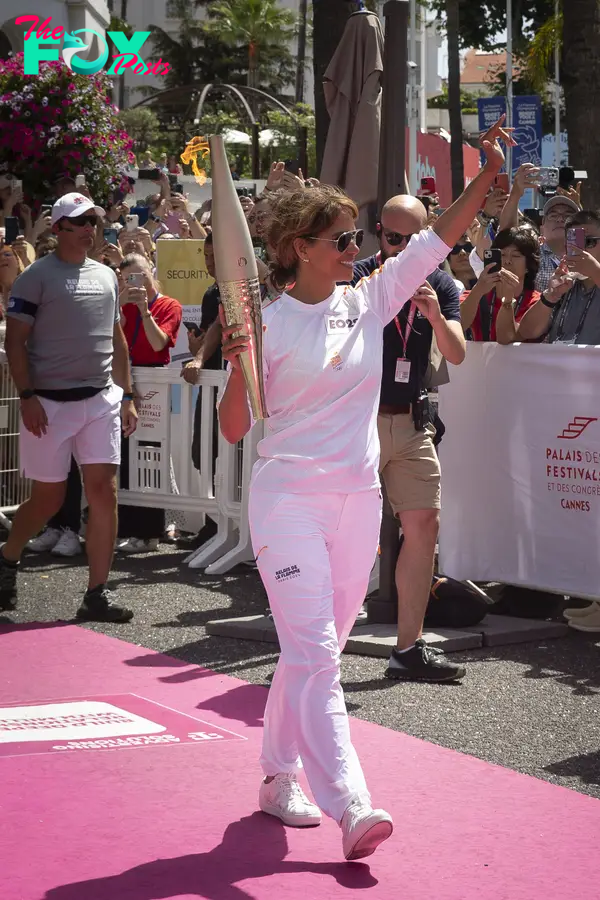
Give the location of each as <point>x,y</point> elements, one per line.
<point>151,323</point>
<point>511,288</point>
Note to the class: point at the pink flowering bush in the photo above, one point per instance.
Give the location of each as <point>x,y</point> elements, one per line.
<point>58,123</point>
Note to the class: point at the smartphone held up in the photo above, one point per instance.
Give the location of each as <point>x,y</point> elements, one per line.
<point>427,186</point>
<point>575,240</point>
<point>493,258</point>
<point>501,182</point>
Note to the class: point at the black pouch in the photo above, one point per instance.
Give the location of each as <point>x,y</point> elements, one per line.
<point>421,411</point>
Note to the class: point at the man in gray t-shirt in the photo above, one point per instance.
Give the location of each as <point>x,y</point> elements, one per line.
<point>64,344</point>
<point>72,310</point>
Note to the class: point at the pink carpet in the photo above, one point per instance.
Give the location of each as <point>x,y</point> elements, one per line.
<point>127,775</point>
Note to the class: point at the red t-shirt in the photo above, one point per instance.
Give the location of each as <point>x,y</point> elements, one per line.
<point>527,299</point>
<point>167,313</point>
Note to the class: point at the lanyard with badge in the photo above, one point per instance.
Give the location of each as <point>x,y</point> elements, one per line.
<point>402,375</point>
<point>561,322</point>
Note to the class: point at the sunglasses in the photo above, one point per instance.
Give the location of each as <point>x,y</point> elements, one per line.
<point>343,242</point>
<point>458,248</point>
<point>81,221</point>
<point>394,238</point>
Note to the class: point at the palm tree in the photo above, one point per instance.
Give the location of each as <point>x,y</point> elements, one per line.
<point>300,66</point>
<point>193,55</point>
<point>581,82</point>
<point>454,105</point>
<point>260,26</point>
<point>576,29</point>
<point>329,21</point>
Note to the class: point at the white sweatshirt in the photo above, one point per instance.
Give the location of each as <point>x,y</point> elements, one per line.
<point>322,367</point>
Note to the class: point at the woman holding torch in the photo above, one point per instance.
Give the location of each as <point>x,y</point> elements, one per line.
<point>315,503</point>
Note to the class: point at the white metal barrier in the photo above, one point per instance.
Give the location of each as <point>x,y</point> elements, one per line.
<point>164,434</point>
<point>14,489</point>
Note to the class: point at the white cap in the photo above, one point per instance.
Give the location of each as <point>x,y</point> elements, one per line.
<point>72,205</point>
<point>560,200</point>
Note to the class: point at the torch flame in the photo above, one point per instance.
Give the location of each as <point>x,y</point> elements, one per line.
<point>190,155</point>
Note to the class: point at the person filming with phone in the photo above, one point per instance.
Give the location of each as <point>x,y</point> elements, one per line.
<point>569,309</point>
<point>151,324</point>
<point>507,282</point>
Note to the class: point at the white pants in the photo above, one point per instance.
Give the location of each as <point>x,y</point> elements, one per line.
<point>89,430</point>
<point>314,553</point>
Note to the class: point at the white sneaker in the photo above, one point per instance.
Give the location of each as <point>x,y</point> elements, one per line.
<point>589,623</point>
<point>45,541</point>
<point>364,829</point>
<point>284,798</point>
<point>578,612</point>
<point>68,544</point>
<point>138,545</point>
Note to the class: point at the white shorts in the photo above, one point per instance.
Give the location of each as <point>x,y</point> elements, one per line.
<point>89,430</point>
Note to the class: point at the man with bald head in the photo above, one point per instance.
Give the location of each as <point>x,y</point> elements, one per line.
<point>409,464</point>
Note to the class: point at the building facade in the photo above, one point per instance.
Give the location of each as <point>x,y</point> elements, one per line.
<point>68,14</point>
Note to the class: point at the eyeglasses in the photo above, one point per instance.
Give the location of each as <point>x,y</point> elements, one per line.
<point>343,242</point>
<point>81,221</point>
<point>467,247</point>
<point>554,216</point>
<point>394,238</point>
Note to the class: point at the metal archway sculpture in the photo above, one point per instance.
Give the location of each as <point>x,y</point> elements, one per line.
<point>189,92</point>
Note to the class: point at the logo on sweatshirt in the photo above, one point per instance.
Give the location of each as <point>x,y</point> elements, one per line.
<point>339,325</point>
<point>287,574</point>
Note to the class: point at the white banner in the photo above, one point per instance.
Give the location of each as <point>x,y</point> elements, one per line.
<point>521,467</point>
<point>153,410</point>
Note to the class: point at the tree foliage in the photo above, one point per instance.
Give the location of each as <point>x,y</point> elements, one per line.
<point>262,28</point>
<point>540,54</point>
<point>468,100</point>
<point>204,51</point>
<point>480,23</point>
<point>142,125</point>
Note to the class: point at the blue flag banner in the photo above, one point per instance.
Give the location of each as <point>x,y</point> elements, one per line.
<point>489,110</point>
<point>527,122</point>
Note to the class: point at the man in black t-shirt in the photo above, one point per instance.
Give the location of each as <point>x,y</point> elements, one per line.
<point>409,464</point>
<point>207,355</point>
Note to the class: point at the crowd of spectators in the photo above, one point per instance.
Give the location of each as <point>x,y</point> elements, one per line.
<point>511,277</point>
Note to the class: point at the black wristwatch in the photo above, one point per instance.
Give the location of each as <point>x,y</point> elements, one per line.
<point>128,396</point>
<point>546,302</point>
<point>27,394</point>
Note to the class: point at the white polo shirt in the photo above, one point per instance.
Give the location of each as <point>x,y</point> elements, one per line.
<point>322,365</point>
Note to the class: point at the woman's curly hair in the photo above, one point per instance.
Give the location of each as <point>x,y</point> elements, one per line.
<point>302,213</point>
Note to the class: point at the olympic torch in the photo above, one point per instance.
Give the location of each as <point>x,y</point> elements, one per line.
<point>237,274</point>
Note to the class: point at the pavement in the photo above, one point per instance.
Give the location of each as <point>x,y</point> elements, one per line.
<point>532,707</point>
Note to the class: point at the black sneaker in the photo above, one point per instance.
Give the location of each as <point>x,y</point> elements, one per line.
<point>97,606</point>
<point>423,663</point>
<point>8,584</point>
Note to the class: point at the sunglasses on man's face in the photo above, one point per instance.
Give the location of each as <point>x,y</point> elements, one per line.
<point>467,247</point>
<point>344,240</point>
<point>394,238</point>
<point>81,221</point>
